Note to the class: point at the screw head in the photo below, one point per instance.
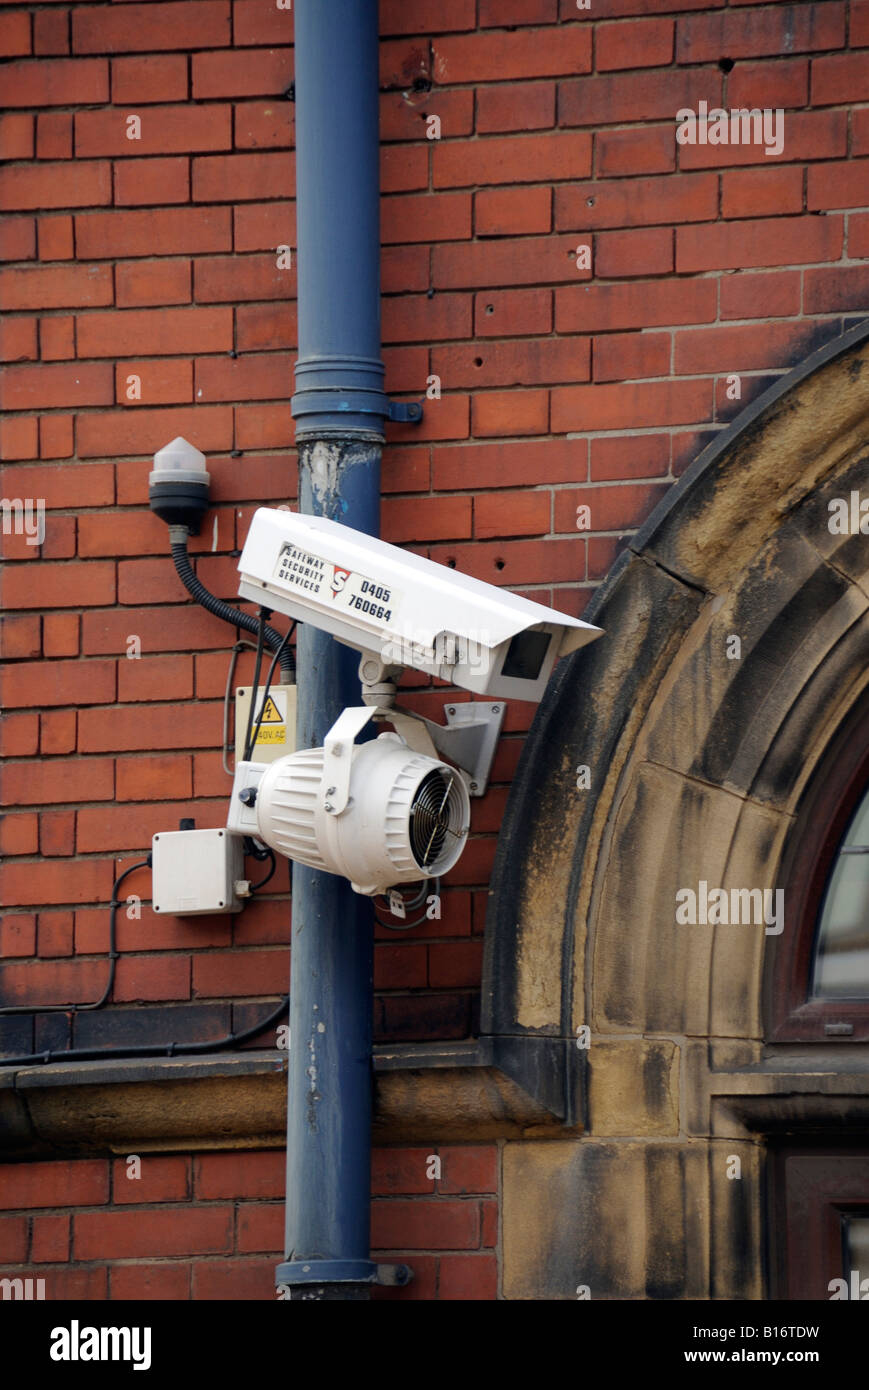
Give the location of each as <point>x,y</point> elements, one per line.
<point>451,709</point>
<point>337,750</point>
<point>473,786</point>
<point>328,806</point>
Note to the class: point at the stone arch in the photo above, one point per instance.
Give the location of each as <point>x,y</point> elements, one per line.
<point>698,762</point>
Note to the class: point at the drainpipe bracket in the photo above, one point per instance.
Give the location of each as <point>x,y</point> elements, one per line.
<point>295,1272</point>
<point>405,412</point>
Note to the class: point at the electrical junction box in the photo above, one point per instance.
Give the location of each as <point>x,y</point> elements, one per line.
<point>196,871</point>
<point>277,732</point>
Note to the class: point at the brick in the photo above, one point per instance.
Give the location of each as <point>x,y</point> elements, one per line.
<point>150,181</point>
<point>55,238</point>
<point>425,518</point>
<point>264,226</point>
<point>513,312</point>
<point>397,17</point>
<point>49,586</point>
<point>142,1281</point>
<point>401,1170</point>
<point>635,96</point>
<point>763,192</point>
<point>743,349</point>
<point>85,184</point>
<point>631,356</point>
<point>55,438</point>
<point>457,963</point>
<point>147,727</point>
<point>469,1168</point>
<point>650,150</point>
<point>20,834</point>
<point>844,185</point>
<point>859,32</point>
<point>227,279</point>
<point>57,839</point>
<point>835,289</point>
<point>51,32</point>
<point>62,487</point>
<point>20,637</point>
<point>178,1231</point>
<point>420,319</point>
<point>468,1277</point>
<point>539,361</point>
<point>264,125</point>
<point>510,412</point>
<point>782,241</point>
<point>260,377</point>
<point>165,130</point>
<point>156,778</point>
<point>263,427</point>
<point>640,252</point>
<point>234,1279</point>
<point>254,23</point>
<point>406,64</point>
<point>402,268</point>
<point>424,1224</point>
<point>147,80</point>
<point>19,735</point>
<point>161,1179</point>
<point>145,581</point>
<point>774,30</point>
<point>527,53</point>
<point>141,978</point>
<point>158,331</point>
<point>520,106</point>
<point>54,136</point>
<point>502,263</point>
<point>58,731</point>
<point>858,236</point>
<point>60,683</point>
<point>637,202</point>
<point>641,304</point>
<point>57,338</point>
<point>509,514</point>
<point>512,159</point>
<point>623,506</point>
<point>18,340</point>
<point>30,388</point>
<point>247,73</point>
<point>236,177</point>
<point>60,634</point>
<point>156,382</point>
<point>630,406</point>
<point>71,1283</point>
<point>177,231</point>
<point>401,120</point>
<point>860,130</point>
<point>426,217</point>
<point>769,84</point>
<point>772,295</point>
<point>512,211</point>
<point>260,1227</point>
<point>255,1174</point>
<point>17,242</point>
<point>138,533</point>
<point>17,935</point>
<point>643,43</point>
<point>57,287</point>
<point>56,928</point>
<point>73,1183</point>
<point>16,135</point>
<point>133,28</point>
<point>234,975</point>
<point>807,135</point>
<point>58,82</point>
<point>51,1238</point>
<point>510,465</point>
<point>15,34</point>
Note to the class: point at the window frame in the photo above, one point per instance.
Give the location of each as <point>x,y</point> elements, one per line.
<point>826,810</point>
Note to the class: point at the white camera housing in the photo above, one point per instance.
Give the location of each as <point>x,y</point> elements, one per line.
<point>399,609</point>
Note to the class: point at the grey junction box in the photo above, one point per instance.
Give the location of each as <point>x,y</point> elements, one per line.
<point>196,871</point>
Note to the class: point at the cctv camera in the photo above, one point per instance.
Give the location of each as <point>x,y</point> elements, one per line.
<point>399,609</point>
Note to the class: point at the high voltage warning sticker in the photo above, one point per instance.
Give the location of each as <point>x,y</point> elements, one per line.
<point>272,725</point>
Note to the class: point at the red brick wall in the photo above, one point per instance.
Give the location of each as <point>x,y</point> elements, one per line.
<point>561,387</point>
<point>213,1226</point>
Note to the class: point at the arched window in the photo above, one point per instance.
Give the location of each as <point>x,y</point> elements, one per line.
<point>819,977</point>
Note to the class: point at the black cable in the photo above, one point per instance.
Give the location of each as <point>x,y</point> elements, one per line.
<point>91,1054</point>
<point>112,956</point>
<point>226,611</point>
<point>252,744</point>
<point>271,873</point>
<point>255,687</point>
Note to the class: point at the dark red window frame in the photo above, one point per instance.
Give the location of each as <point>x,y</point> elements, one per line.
<point>835,792</point>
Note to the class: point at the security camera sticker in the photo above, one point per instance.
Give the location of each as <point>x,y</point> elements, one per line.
<point>334,585</point>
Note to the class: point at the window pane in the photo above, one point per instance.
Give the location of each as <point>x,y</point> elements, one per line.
<point>842,952</point>
<point>858,1245</point>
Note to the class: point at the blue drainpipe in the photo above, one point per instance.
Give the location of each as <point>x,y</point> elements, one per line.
<point>340,408</point>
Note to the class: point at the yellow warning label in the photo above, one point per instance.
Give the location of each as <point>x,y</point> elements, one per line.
<point>276,733</point>
<point>271,714</point>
